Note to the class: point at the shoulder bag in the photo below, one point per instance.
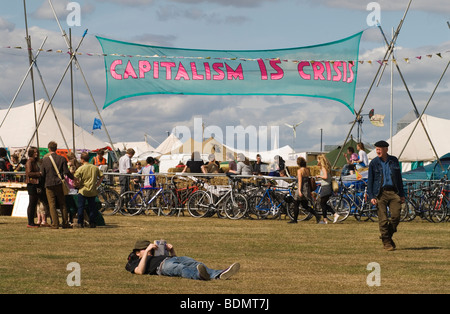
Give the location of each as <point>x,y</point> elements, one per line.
<point>66,189</point>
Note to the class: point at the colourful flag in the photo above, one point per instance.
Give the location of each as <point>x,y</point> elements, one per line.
<point>97,124</point>
<point>327,70</point>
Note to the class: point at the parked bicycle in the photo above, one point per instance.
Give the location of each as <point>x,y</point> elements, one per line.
<point>225,203</point>
<point>109,199</point>
<point>273,202</point>
<point>157,199</point>
<point>417,202</point>
<point>183,194</point>
<point>440,202</point>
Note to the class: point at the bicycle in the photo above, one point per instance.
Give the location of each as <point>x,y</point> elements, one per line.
<point>273,202</point>
<point>183,194</point>
<point>161,201</point>
<point>108,198</point>
<point>417,203</point>
<point>366,210</point>
<point>228,203</point>
<point>340,202</point>
<point>440,203</point>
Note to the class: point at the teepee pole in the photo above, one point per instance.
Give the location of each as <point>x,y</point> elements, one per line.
<point>387,55</point>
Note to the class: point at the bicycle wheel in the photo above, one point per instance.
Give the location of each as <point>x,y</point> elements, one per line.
<point>236,206</point>
<point>341,206</point>
<point>408,211</point>
<point>259,206</point>
<point>303,214</point>
<point>166,203</point>
<point>437,210</point>
<point>109,201</point>
<point>131,203</point>
<point>368,212</point>
<point>199,204</point>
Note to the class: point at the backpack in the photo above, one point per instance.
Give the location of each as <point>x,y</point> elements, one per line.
<point>151,179</point>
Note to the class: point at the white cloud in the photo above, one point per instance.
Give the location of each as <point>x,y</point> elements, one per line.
<point>434,6</point>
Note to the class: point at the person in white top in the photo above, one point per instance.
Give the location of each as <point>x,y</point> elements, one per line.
<point>125,167</point>
<point>363,159</point>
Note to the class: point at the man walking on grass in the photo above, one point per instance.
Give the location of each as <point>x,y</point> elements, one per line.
<point>385,189</point>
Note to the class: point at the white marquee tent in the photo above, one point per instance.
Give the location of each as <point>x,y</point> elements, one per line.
<point>19,126</point>
<point>139,147</point>
<point>419,147</point>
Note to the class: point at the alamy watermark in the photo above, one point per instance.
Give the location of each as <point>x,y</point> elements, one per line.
<point>74,278</point>
<point>74,17</point>
<point>374,17</point>
<point>248,139</point>
<point>374,277</point>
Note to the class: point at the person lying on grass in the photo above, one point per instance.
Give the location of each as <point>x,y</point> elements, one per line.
<point>143,261</point>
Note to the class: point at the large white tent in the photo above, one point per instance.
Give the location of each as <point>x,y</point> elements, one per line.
<point>171,143</point>
<point>19,126</point>
<point>419,147</point>
<point>139,147</point>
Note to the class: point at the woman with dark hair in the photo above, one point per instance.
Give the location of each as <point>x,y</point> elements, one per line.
<point>196,164</point>
<point>35,187</point>
<point>303,192</point>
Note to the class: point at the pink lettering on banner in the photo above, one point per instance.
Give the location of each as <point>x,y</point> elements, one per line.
<point>168,66</point>
<point>303,75</point>
<point>344,66</point>
<point>155,70</point>
<point>129,71</point>
<point>182,74</point>
<point>328,66</point>
<point>144,67</point>
<point>338,76</point>
<point>220,75</point>
<point>235,74</point>
<point>195,75</point>
<point>352,75</point>
<point>262,68</point>
<point>280,73</point>
<point>207,70</point>
<point>318,71</point>
<point>112,69</point>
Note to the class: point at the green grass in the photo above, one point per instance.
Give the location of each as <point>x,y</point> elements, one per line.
<point>275,257</point>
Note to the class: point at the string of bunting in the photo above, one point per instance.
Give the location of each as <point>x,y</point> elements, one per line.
<point>407,60</point>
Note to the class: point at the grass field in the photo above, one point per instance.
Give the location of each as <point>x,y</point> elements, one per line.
<point>275,257</point>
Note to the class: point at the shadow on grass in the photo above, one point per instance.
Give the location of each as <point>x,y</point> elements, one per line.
<point>424,248</point>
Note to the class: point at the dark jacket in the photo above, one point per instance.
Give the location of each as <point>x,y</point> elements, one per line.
<point>375,180</point>
<point>32,171</point>
<point>49,173</point>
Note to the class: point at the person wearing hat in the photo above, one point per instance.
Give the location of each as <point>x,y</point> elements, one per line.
<point>142,261</point>
<point>385,189</point>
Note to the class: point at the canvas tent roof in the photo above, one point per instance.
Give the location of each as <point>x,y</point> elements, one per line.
<point>19,127</point>
<point>431,171</point>
<point>139,147</point>
<point>170,144</point>
<point>419,147</point>
<point>334,153</point>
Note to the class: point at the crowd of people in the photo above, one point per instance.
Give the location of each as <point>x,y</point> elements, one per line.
<point>50,185</point>
<point>59,183</point>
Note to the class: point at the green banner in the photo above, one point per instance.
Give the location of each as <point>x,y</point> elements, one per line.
<point>328,70</point>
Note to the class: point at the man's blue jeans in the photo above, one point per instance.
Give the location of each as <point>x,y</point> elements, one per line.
<point>92,209</point>
<point>186,267</point>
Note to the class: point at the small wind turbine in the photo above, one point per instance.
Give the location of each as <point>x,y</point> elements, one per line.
<point>293,127</point>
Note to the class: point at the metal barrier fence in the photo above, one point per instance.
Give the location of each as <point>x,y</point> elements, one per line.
<point>427,199</point>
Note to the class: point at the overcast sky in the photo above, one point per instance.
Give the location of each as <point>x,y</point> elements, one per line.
<point>232,25</point>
